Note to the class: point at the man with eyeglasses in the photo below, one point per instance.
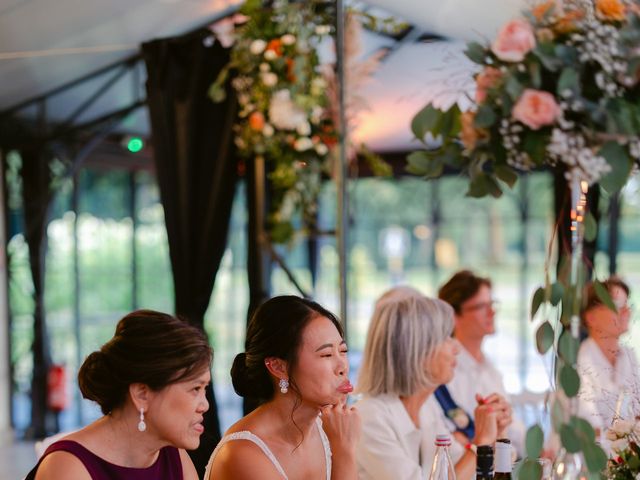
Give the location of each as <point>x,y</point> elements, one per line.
<point>476,380</point>
<point>609,371</point>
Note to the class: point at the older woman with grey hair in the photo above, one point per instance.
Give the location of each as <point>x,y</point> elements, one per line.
<point>409,352</point>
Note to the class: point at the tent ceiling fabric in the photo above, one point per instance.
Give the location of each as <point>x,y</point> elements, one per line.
<point>412,74</point>
<point>457,19</point>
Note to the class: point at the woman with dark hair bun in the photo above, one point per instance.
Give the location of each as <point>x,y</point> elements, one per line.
<point>296,365</point>
<point>149,381</point>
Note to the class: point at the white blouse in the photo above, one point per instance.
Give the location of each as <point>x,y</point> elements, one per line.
<point>602,383</point>
<point>391,447</point>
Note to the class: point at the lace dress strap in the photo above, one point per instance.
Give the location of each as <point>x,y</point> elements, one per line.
<point>326,446</point>
<point>246,435</point>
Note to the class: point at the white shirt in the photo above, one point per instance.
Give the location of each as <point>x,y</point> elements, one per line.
<point>391,447</point>
<point>602,383</point>
<point>471,377</point>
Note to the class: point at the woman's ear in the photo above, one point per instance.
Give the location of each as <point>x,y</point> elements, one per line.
<point>140,395</point>
<point>277,367</point>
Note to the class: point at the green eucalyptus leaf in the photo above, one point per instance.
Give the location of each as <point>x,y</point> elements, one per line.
<point>569,80</point>
<point>538,299</point>
<point>534,143</point>
<point>450,122</point>
<point>530,470</point>
<point>425,164</point>
<point>513,87</point>
<point>595,457</point>
<point>570,440</point>
<point>485,117</point>
<point>618,158</point>
<point>476,52</point>
<point>557,292</point>
<point>570,380</point>
<point>506,174</point>
<point>584,430</point>
<point>568,347</point>
<point>604,295</point>
<point>544,337</point>
<point>482,185</point>
<point>426,120</point>
<point>534,73</point>
<point>533,441</point>
<point>557,415</point>
<point>590,227</point>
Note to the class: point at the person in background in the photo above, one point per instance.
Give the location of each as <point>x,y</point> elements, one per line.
<point>609,371</point>
<point>476,380</point>
<point>408,353</point>
<point>296,363</point>
<point>149,381</point>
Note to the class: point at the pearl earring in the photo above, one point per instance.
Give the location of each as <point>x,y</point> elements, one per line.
<point>284,385</point>
<point>141,425</point>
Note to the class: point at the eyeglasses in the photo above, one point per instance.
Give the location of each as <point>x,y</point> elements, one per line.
<point>493,305</point>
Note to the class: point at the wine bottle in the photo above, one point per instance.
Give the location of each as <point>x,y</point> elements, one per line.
<point>503,463</point>
<point>484,462</point>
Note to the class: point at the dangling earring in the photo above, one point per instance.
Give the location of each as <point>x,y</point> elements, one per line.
<point>141,425</point>
<point>284,385</point>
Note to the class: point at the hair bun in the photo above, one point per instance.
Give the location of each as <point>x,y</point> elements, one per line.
<point>250,381</point>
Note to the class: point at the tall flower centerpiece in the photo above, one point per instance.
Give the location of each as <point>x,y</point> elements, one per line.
<point>288,112</point>
<point>557,88</point>
<point>624,436</point>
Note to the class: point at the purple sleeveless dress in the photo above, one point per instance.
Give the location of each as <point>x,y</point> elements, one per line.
<point>168,466</point>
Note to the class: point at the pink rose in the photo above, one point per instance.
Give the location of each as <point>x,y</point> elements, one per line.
<point>485,80</point>
<point>514,41</point>
<point>536,109</point>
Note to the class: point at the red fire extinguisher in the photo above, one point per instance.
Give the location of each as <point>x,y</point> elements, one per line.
<point>57,398</point>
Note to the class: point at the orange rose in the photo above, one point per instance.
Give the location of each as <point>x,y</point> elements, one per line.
<point>542,9</point>
<point>275,45</point>
<point>610,9</point>
<point>536,109</point>
<point>256,121</point>
<point>485,80</point>
<point>567,23</point>
<point>515,39</point>
<point>469,134</point>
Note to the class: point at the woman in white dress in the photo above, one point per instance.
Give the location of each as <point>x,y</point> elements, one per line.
<point>609,371</point>
<point>409,352</point>
<point>296,364</point>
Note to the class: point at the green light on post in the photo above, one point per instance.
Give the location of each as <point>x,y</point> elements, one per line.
<point>135,144</point>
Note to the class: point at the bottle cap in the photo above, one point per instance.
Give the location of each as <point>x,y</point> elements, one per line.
<point>503,440</point>
<point>443,440</point>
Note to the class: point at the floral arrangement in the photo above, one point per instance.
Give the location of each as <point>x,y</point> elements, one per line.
<point>288,102</point>
<point>282,103</point>
<point>624,436</point>
<point>559,87</point>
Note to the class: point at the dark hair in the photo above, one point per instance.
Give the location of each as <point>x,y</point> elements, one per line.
<point>461,287</point>
<point>152,348</point>
<point>275,330</point>
<point>591,298</point>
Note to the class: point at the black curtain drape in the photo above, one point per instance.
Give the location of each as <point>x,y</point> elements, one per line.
<point>196,169</point>
<point>36,193</point>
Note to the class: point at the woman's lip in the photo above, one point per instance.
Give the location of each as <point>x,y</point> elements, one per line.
<point>199,427</point>
<point>346,387</point>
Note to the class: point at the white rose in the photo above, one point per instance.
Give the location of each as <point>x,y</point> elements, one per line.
<point>323,29</point>
<point>620,445</point>
<point>288,39</point>
<point>268,130</point>
<point>264,67</point>
<point>636,429</point>
<point>322,149</point>
<point>611,435</point>
<point>283,113</point>
<point>303,128</point>
<point>622,427</point>
<point>257,47</point>
<point>270,79</point>
<point>270,55</point>
<point>302,144</point>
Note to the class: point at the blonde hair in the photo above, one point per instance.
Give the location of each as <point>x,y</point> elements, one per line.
<point>406,329</point>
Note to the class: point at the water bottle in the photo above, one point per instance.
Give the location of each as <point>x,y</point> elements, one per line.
<point>442,468</point>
